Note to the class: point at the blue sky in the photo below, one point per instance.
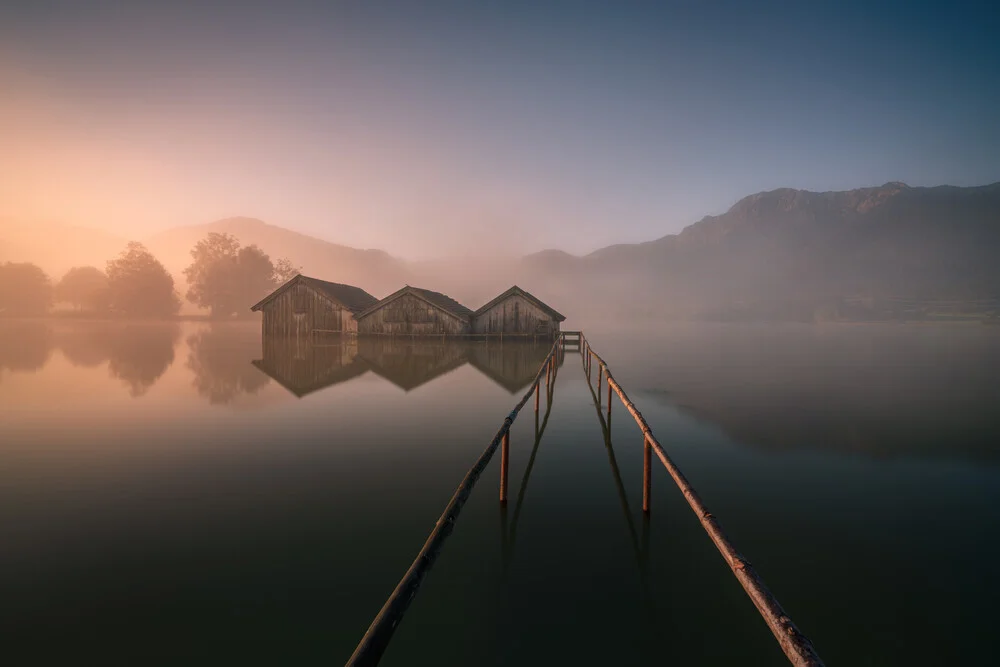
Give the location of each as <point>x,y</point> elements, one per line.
<point>435,128</point>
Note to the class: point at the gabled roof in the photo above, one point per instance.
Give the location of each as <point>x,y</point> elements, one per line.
<point>436,299</point>
<point>350,297</point>
<point>556,315</point>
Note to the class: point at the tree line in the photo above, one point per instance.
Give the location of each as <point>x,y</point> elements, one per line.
<point>223,277</point>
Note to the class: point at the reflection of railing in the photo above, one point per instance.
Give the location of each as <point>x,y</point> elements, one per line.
<point>796,646</point>
<point>380,632</point>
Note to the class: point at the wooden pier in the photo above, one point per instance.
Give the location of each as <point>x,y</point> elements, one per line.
<point>796,646</point>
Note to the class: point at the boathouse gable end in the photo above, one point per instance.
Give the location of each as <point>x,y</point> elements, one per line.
<point>304,305</point>
<point>517,312</point>
<point>416,312</point>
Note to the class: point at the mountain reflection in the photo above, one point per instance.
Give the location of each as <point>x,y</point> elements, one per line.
<point>218,358</point>
<point>303,367</point>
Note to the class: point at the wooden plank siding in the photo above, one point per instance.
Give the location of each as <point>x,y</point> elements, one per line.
<point>515,315</point>
<point>410,315</point>
<point>300,310</point>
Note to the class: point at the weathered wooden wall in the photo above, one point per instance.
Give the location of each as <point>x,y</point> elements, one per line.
<point>318,313</point>
<point>515,315</point>
<point>411,315</point>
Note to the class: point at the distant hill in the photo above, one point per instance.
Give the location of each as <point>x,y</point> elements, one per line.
<point>872,253</point>
<point>795,254</point>
<point>375,270</point>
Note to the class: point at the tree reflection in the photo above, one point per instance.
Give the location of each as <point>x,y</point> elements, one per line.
<point>136,354</point>
<point>140,354</point>
<point>87,346</point>
<point>220,359</point>
<point>24,346</point>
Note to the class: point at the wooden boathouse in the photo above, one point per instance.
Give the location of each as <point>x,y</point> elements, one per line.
<point>519,313</point>
<point>304,306</point>
<point>416,312</point>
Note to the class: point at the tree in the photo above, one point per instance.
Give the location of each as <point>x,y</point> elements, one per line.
<point>24,290</point>
<point>85,287</point>
<point>139,285</point>
<point>212,276</point>
<point>228,279</point>
<point>284,271</point>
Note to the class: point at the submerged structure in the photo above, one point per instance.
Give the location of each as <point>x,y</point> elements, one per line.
<point>417,312</point>
<point>517,312</point>
<point>305,306</point>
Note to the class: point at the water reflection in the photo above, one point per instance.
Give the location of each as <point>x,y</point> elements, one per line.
<point>511,365</point>
<point>137,354</point>
<point>218,358</point>
<point>24,346</point>
<point>304,367</point>
<point>411,364</point>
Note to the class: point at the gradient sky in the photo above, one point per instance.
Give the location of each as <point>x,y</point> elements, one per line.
<point>433,128</point>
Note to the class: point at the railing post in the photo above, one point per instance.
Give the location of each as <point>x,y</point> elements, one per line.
<point>600,375</point>
<point>647,473</point>
<point>609,405</point>
<point>538,391</point>
<point>505,465</point>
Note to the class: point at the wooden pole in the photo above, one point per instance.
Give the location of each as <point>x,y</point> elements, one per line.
<point>797,647</point>
<point>600,376</point>
<point>538,391</point>
<point>504,465</point>
<point>647,473</point>
<point>609,406</point>
<point>376,639</point>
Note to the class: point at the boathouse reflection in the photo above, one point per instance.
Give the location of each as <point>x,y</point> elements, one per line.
<point>303,367</point>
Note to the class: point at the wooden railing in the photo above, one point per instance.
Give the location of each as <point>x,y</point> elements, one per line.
<point>369,651</point>
<point>797,647</point>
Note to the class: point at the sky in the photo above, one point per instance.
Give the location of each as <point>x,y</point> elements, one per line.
<point>439,128</point>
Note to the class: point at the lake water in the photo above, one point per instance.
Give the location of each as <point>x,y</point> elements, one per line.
<point>174,493</point>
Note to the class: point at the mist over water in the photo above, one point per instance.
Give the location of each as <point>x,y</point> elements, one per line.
<point>184,487</point>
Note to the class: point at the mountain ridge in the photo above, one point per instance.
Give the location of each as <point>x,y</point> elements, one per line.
<point>778,253</point>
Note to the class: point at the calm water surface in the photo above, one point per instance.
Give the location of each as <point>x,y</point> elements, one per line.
<point>176,493</point>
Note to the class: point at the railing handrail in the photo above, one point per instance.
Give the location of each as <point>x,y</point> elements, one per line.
<point>369,651</point>
<point>797,647</point>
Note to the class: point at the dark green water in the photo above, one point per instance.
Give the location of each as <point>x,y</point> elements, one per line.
<point>175,494</point>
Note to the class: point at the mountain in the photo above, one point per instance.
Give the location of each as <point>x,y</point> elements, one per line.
<point>871,253</point>
<point>796,254</point>
<point>376,270</point>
